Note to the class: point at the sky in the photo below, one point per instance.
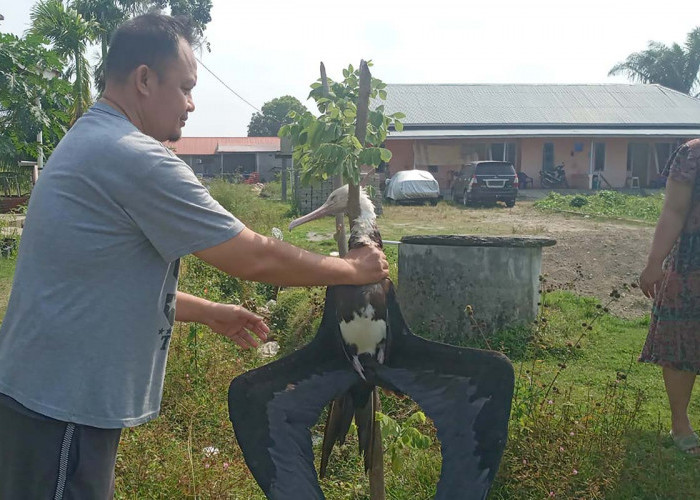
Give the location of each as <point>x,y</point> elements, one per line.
<point>264,49</point>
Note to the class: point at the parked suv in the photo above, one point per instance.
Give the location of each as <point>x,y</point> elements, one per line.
<point>486,182</point>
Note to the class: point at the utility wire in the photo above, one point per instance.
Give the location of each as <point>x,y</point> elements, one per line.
<point>224,84</point>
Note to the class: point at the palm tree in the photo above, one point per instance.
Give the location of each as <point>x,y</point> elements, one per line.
<point>70,34</point>
<point>674,67</point>
<point>108,15</point>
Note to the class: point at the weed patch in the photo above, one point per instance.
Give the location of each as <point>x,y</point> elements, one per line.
<point>606,204</point>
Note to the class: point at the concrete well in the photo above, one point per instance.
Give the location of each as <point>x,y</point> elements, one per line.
<point>439,276</point>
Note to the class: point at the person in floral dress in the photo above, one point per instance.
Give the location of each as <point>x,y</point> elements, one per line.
<point>672,278</point>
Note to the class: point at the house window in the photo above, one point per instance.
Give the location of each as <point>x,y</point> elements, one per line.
<point>598,156</point>
<point>548,155</point>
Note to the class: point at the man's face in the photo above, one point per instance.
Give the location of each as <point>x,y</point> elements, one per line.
<point>168,106</point>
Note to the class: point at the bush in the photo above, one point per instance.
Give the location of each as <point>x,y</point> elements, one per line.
<point>578,201</point>
<point>606,204</point>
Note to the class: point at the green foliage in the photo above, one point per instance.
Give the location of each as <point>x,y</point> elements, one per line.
<point>578,201</point>
<point>400,436</point>
<point>245,203</point>
<point>295,317</point>
<point>70,34</point>
<point>23,64</point>
<point>326,145</point>
<point>109,14</point>
<point>275,114</point>
<point>607,204</point>
<point>198,10</point>
<point>672,66</point>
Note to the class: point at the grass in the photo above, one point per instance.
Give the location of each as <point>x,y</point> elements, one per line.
<point>609,204</point>
<point>593,429</point>
<point>7,271</point>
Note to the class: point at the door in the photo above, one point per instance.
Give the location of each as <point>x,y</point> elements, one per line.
<point>638,161</point>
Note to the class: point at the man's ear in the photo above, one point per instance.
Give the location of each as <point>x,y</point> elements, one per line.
<point>143,76</point>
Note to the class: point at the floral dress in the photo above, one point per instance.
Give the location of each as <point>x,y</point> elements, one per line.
<point>674,333</point>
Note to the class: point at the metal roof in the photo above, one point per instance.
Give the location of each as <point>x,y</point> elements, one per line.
<point>457,133</point>
<point>271,147</point>
<point>213,145</point>
<point>525,105</point>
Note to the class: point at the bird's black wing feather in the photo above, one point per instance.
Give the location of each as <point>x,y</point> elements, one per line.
<point>466,392</point>
<point>273,407</point>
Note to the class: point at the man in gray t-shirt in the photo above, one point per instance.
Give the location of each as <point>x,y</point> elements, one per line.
<point>83,345</point>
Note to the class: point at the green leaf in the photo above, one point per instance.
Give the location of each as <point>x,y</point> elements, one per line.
<point>416,418</point>
<point>398,126</point>
<point>398,116</point>
<point>385,156</point>
<point>376,157</point>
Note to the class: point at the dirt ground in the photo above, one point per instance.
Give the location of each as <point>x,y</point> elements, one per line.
<point>592,256</point>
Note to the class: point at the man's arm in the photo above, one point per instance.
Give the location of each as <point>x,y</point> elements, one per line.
<point>252,256</point>
<point>229,320</point>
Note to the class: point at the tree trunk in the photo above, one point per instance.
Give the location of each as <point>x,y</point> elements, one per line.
<point>340,237</point>
<point>376,473</point>
<point>79,90</point>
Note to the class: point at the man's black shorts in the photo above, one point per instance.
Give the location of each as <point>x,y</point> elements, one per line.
<point>42,458</point>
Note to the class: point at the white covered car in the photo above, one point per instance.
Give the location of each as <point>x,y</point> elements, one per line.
<point>412,186</point>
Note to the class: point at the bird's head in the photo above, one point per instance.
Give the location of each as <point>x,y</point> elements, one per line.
<point>337,203</point>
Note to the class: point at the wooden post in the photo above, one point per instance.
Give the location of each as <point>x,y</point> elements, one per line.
<point>376,473</point>
<point>340,237</point>
<point>284,179</point>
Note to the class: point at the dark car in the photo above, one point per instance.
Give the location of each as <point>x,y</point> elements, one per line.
<point>486,182</point>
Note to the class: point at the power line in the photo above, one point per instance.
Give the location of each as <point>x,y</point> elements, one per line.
<point>224,84</point>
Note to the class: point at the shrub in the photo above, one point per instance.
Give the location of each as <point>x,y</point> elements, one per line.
<point>606,204</point>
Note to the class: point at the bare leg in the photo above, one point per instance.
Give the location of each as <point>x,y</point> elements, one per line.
<point>679,386</point>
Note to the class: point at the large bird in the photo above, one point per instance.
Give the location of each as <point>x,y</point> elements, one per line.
<point>363,342</point>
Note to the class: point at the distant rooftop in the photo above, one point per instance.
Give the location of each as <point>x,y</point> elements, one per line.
<point>525,106</point>
<point>214,145</point>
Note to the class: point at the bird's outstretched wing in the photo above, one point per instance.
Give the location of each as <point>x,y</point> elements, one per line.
<point>273,407</point>
<point>466,392</point>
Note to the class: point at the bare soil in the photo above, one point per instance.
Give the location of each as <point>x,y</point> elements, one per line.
<point>592,256</point>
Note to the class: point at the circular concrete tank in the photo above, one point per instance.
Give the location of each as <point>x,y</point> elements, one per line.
<point>439,276</point>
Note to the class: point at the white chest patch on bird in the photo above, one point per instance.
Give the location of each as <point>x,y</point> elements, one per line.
<point>363,331</point>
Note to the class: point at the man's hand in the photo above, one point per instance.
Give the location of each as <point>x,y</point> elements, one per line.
<point>237,323</point>
<point>370,264</point>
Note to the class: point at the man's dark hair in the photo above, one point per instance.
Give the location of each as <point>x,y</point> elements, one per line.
<point>150,39</point>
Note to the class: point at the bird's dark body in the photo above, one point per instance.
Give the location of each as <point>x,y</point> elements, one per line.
<point>466,392</point>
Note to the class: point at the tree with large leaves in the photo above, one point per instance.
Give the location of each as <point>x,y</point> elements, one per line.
<point>29,101</point>
<point>70,35</point>
<point>274,115</point>
<point>326,145</point>
<point>672,66</point>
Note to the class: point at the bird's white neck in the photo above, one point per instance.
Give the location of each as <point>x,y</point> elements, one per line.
<point>366,223</point>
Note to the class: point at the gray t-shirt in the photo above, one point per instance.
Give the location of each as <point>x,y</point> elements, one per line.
<point>85,336</point>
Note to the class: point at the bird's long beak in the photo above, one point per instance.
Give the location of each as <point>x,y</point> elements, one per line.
<point>324,210</point>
